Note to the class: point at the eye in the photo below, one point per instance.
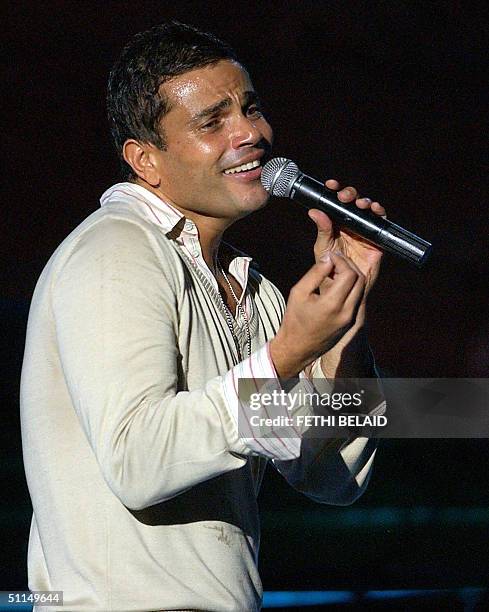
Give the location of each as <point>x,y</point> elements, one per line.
<point>213,123</point>
<point>255,111</point>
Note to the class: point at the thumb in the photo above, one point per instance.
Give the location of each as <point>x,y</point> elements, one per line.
<point>325,234</point>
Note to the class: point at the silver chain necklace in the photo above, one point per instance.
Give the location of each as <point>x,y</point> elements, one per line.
<point>229,316</point>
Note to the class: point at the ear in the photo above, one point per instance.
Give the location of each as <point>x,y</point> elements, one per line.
<point>141,158</point>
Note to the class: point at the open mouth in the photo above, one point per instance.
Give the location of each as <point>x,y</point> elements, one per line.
<point>243,168</point>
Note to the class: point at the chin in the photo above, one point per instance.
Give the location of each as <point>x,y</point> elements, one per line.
<point>255,199</point>
<point>251,205</point>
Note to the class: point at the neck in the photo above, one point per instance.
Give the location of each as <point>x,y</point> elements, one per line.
<point>210,229</point>
<point>209,243</point>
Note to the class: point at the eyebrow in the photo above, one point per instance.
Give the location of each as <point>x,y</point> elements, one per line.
<point>249,98</point>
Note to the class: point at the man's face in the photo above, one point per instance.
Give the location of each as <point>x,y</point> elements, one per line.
<point>215,124</point>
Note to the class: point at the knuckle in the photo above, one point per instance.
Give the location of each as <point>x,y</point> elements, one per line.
<point>334,311</point>
<point>295,291</point>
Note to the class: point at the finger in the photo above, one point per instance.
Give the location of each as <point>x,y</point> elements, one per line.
<point>375,207</point>
<point>378,209</point>
<point>329,279</point>
<point>358,288</point>
<point>348,194</point>
<point>363,203</point>
<point>353,299</point>
<point>332,184</point>
<point>351,263</point>
<point>314,276</point>
<point>325,284</point>
<point>344,278</point>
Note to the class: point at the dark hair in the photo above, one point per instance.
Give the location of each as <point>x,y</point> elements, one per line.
<point>134,104</point>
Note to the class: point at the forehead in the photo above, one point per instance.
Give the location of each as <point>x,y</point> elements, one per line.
<point>194,90</point>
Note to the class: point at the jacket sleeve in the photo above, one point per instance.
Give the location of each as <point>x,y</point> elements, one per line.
<point>328,470</point>
<point>115,311</point>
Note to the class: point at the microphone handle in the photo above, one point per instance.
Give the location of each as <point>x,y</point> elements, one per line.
<point>388,236</point>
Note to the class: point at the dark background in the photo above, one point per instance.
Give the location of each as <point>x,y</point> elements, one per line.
<point>386,96</point>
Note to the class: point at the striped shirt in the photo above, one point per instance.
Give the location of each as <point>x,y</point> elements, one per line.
<point>142,465</point>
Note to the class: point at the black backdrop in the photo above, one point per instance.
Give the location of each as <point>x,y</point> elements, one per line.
<point>386,96</point>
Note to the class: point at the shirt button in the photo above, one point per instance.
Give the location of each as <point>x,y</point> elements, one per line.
<point>189,225</point>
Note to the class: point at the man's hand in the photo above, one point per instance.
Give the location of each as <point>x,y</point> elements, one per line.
<point>364,255</point>
<point>314,322</point>
<point>351,355</point>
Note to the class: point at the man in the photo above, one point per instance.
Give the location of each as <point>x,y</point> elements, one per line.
<point>143,321</point>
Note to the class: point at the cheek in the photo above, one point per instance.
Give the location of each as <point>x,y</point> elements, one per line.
<point>190,163</point>
<point>206,153</point>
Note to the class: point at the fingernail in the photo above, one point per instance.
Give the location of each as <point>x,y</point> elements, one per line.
<point>338,253</point>
<point>368,200</point>
<point>325,257</point>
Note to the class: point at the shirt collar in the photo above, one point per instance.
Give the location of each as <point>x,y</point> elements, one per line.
<point>171,220</point>
<point>175,225</point>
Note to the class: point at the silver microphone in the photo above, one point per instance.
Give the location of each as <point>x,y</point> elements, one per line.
<point>282,178</point>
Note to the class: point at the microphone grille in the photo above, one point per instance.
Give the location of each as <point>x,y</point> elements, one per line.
<point>278,176</point>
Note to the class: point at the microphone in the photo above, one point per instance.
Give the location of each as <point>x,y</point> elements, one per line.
<point>282,178</point>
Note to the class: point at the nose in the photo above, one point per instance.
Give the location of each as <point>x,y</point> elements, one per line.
<point>245,132</point>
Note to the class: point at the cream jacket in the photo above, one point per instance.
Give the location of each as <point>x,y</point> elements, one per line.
<point>143,490</point>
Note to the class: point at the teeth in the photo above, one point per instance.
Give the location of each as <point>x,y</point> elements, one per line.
<point>243,167</point>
